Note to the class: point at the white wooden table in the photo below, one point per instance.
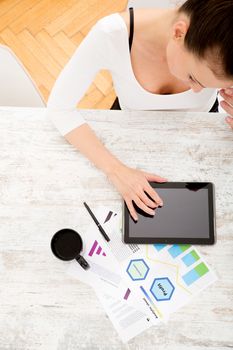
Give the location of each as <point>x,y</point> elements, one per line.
<point>43,182</point>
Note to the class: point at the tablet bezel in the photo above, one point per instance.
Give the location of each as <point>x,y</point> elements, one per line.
<point>171,240</point>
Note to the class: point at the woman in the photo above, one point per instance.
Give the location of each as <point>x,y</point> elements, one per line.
<point>179,58</point>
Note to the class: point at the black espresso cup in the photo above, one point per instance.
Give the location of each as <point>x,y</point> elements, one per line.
<point>67,245</point>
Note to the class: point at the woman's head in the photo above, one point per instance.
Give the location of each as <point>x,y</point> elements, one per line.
<point>200,49</point>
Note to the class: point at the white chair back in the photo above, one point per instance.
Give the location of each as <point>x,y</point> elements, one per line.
<point>16,86</point>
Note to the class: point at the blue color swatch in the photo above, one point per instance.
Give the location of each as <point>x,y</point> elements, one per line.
<point>159,247</point>
<point>190,258</point>
<point>191,277</point>
<point>198,271</point>
<point>178,249</point>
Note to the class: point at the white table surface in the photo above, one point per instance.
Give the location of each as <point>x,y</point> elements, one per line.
<point>43,182</point>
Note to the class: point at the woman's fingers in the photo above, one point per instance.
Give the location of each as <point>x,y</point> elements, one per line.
<point>144,202</point>
<point>229,110</point>
<point>143,206</point>
<point>227,94</point>
<point>150,203</point>
<point>151,192</point>
<point>227,104</point>
<point>131,208</point>
<point>154,195</point>
<point>134,187</point>
<point>229,121</point>
<point>155,178</point>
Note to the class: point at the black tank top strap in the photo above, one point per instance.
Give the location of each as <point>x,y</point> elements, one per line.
<point>131,27</point>
<point>214,108</point>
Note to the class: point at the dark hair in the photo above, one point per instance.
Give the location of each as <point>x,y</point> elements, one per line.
<point>210,33</point>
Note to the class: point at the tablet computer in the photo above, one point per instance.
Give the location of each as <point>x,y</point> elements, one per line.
<point>187,216</point>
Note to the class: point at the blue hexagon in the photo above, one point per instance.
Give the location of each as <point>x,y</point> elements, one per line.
<point>137,269</point>
<point>162,289</point>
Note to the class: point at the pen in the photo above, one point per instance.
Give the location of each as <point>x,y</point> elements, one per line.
<point>104,234</point>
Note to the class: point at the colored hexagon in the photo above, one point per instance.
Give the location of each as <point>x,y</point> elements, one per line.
<point>162,289</point>
<point>137,269</point>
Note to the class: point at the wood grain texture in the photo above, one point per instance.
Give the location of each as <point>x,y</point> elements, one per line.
<point>43,182</point>
<point>45,33</point>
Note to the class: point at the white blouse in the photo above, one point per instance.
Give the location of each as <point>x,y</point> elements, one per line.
<point>106,47</point>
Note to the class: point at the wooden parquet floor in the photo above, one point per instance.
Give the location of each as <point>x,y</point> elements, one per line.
<point>45,33</point>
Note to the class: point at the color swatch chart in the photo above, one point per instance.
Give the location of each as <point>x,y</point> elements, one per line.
<point>167,276</point>
<point>187,255</point>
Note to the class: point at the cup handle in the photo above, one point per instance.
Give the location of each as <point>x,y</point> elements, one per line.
<point>82,262</point>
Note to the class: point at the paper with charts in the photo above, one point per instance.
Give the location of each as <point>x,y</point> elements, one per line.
<point>127,312</point>
<point>167,276</point>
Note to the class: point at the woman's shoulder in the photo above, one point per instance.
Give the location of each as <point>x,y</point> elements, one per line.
<point>116,26</point>
<point>144,18</point>
<point>112,23</point>
<point>125,16</point>
<point>121,20</point>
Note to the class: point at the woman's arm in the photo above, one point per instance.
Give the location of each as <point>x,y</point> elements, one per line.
<point>85,141</point>
<point>94,53</point>
<point>130,183</point>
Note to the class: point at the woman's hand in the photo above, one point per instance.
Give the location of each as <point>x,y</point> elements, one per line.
<point>132,185</point>
<point>227,104</point>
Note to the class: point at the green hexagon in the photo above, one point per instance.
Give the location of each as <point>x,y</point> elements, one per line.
<point>137,269</point>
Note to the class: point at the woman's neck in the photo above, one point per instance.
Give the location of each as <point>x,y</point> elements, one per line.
<point>154,29</point>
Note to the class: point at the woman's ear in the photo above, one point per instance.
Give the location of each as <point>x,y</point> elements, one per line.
<point>179,30</point>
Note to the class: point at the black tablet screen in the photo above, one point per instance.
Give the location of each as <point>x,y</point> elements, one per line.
<point>185,214</point>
